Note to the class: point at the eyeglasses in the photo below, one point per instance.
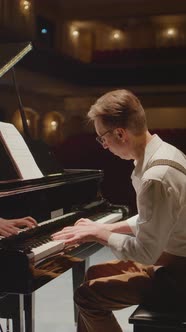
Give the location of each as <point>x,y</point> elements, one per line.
<point>100,138</point>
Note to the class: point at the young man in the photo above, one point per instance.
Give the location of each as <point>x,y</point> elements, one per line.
<point>151,246</point>
<point>11,226</point>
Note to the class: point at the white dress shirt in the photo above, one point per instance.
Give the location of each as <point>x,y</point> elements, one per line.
<point>161,201</point>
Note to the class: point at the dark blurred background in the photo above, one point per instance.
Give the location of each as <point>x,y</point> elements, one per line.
<point>82,49</point>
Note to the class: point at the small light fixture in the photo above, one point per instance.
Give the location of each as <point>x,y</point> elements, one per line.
<point>75,33</point>
<point>25,5</point>
<point>44,31</point>
<point>28,122</point>
<point>171,32</point>
<point>53,125</point>
<point>116,35</point>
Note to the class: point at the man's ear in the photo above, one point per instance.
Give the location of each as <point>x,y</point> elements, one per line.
<point>120,133</point>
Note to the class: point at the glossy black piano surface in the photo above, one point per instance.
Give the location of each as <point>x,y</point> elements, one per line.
<point>39,197</point>
<point>77,191</point>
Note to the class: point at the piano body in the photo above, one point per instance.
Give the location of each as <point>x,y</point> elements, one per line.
<point>27,260</point>
<point>72,194</point>
<point>30,259</point>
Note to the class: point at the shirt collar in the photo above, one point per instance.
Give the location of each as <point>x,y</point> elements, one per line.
<point>150,149</point>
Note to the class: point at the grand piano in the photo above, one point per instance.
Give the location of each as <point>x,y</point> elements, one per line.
<point>31,259</point>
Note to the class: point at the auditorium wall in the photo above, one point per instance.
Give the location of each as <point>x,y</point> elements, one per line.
<point>67,114</point>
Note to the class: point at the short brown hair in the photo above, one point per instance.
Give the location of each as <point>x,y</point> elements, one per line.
<point>120,108</point>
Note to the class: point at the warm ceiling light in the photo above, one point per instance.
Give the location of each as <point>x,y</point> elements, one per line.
<point>171,32</point>
<point>54,125</point>
<point>75,33</point>
<point>116,35</point>
<point>25,5</point>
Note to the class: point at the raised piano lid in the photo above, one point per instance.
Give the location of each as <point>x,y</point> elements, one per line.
<point>11,53</point>
<point>68,176</point>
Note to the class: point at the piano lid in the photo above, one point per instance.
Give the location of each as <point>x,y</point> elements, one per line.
<point>69,176</point>
<point>12,53</point>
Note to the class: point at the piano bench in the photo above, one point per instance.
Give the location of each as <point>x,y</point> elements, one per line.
<point>147,319</point>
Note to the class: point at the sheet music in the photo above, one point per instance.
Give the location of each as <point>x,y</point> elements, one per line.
<point>19,152</point>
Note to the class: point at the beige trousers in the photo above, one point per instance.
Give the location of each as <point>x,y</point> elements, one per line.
<point>115,285</point>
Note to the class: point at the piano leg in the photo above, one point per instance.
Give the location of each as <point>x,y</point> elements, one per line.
<point>18,317</point>
<point>29,307</point>
<point>78,275</point>
<point>16,324</point>
<point>24,320</point>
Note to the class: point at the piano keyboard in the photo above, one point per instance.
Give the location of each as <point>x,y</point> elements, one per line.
<point>51,247</point>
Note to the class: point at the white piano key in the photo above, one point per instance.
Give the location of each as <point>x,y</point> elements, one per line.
<point>47,249</point>
<point>109,219</point>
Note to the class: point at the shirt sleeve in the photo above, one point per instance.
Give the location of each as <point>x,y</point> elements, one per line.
<point>156,217</point>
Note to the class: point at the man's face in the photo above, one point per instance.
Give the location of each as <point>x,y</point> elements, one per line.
<point>114,140</point>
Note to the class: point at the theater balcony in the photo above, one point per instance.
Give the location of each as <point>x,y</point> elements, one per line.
<point>124,67</point>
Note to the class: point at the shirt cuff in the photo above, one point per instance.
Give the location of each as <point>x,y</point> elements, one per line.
<point>116,244</point>
<point>132,223</point>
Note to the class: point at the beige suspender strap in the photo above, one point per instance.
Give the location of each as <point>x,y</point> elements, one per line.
<point>168,162</point>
